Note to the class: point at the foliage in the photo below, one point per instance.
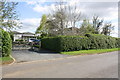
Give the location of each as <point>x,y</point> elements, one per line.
<point>107,29</point>
<point>86,27</point>
<point>19,40</point>
<point>62,17</point>
<point>97,23</point>
<point>0,42</point>
<point>75,43</point>
<point>118,42</point>
<point>99,41</point>
<point>37,46</point>
<point>8,15</point>
<point>6,43</point>
<point>65,43</point>
<point>42,29</point>
<point>51,43</point>
<point>11,35</point>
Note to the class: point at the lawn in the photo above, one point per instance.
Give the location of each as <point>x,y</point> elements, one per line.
<point>93,51</point>
<point>6,60</point>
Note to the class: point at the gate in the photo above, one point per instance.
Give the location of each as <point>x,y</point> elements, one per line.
<point>21,45</point>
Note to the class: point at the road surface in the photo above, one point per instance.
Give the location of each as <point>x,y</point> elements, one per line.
<point>26,55</point>
<point>87,66</point>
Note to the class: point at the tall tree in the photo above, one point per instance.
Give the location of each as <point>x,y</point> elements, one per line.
<point>97,23</point>
<point>86,27</point>
<point>65,15</point>
<point>42,28</point>
<point>8,15</point>
<point>107,29</point>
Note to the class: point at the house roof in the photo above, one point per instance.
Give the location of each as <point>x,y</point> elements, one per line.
<point>27,33</point>
<point>16,32</point>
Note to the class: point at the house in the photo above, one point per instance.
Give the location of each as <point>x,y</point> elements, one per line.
<point>26,36</point>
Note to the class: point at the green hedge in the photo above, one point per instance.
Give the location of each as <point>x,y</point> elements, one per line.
<point>118,42</point>
<point>99,41</point>
<point>75,43</point>
<point>51,43</point>
<point>0,43</point>
<point>65,43</point>
<point>6,43</point>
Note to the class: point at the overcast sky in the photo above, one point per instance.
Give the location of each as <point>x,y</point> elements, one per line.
<point>31,11</point>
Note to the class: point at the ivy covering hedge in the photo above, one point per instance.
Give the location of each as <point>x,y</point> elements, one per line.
<point>75,43</point>
<point>6,43</point>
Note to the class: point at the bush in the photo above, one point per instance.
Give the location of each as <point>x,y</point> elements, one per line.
<point>19,40</point>
<point>99,41</point>
<point>6,43</point>
<point>65,43</point>
<point>75,43</point>
<point>117,42</point>
<point>37,46</point>
<point>0,43</point>
<point>51,43</point>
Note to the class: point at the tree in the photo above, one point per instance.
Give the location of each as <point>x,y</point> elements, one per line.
<point>86,27</point>
<point>42,28</point>
<point>64,16</point>
<point>107,29</point>
<point>8,15</point>
<point>97,23</point>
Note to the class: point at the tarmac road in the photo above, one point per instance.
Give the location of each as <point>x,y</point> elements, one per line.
<point>88,66</point>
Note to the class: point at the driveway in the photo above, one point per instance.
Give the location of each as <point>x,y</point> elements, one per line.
<point>89,66</point>
<point>26,55</point>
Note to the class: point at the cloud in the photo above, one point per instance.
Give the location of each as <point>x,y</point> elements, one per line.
<point>41,9</point>
<point>34,2</point>
<point>31,2</point>
<point>29,25</point>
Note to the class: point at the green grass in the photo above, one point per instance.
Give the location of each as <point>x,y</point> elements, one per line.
<point>93,51</point>
<point>5,60</point>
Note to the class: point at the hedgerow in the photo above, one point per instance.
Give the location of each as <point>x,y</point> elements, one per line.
<point>99,41</point>
<point>65,43</point>
<point>75,43</point>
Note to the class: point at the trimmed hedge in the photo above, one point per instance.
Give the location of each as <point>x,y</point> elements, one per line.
<point>6,43</point>
<point>75,43</point>
<point>0,43</point>
<point>51,43</point>
<point>99,41</point>
<point>117,42</point>
<point>65,43</point>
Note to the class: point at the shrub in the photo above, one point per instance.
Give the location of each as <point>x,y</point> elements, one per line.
<point>74,43</point>
<point>99,41</point>
<point>37,46</point>
<point>6,43</point>
<point>19,40</point>
<point>51,43</point>
<point>117,42</point>
<point>65,43</point>
<point>0,43</point>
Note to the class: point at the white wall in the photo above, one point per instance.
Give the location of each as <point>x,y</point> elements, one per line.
<point>17,36</point>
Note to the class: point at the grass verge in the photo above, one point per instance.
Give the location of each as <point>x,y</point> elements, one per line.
<point>6,60</point>
<point>93,51</point>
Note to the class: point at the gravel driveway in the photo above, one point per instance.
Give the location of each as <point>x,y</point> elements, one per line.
<point>26,55</point>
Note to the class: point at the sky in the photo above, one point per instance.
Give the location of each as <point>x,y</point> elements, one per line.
<point>30,12</point>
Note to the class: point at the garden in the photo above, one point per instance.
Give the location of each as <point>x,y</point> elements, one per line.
<point>90,43</point>
<point>63,31</point>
